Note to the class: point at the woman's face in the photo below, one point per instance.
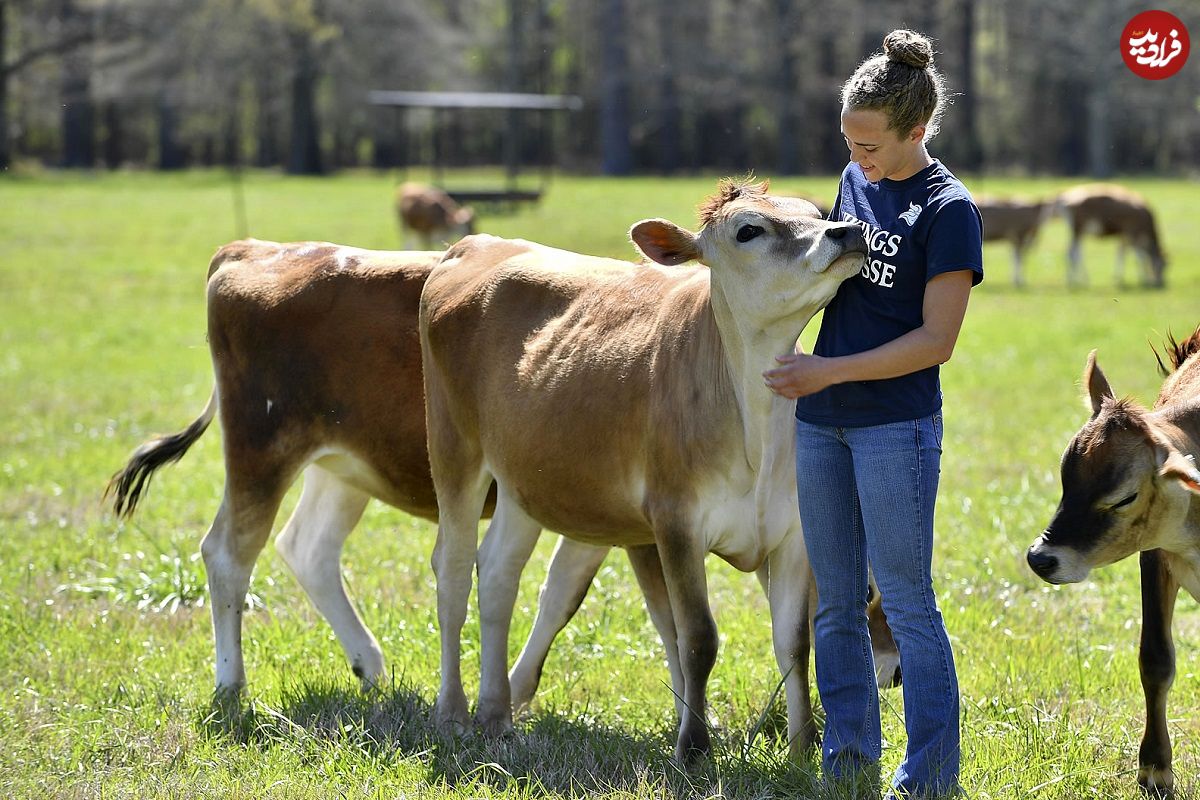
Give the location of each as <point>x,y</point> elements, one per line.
<point>880,152</point>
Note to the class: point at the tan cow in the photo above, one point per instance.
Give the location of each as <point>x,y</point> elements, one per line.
<point>1101,209</point>
<point>431,216</point>
<point>1012,221</point>
<point>1129,486</point>
<point>318,371</point>
<point>623,404</point>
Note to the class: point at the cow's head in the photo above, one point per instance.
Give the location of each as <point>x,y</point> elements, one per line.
<point>463,221</point>
<point>1126,488</point>
<point>773,260</point>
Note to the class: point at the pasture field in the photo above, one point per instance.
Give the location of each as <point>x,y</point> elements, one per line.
<point>105,662</point>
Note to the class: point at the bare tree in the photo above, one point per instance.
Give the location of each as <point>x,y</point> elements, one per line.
<point>616,150</point>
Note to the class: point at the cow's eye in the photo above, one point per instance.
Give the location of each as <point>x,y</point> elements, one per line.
<point>1125,502</point>
<point>748,232</point>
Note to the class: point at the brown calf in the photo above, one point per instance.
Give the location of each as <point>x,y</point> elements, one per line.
<point>1129,486</point>
<point>1013,221</point>
<point>431,216</point>
<point>1104,210</point>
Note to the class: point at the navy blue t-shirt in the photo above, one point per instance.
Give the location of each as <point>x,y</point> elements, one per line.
<point>915,229</point>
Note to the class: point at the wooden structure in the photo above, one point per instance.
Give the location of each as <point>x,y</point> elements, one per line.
<point>515,103</point>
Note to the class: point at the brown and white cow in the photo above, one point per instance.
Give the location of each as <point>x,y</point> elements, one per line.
<point>623,404</point>
<point>318,371</point>
<point>1013,221</point>
<point>1101,209</point>
<point>431,216</point>
<point>1129,486</point>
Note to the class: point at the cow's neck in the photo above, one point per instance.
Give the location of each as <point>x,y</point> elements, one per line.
<point>1179,423</point>
<point>766,418</point>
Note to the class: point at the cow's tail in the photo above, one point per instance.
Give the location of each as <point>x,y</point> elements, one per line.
<point>127,485</point>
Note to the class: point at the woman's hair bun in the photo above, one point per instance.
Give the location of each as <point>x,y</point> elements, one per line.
<point>908,47</point>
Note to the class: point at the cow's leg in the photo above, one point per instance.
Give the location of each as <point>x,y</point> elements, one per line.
<point>572,568</point>
<point>1156,663</point>
<point>648,569</point>
<point>1075,276</point>
<point>789,587</point>
<point>229,549</point>
<point>311,545</point>
<point>460,505</point>
<point>687,586</point>
<point>506,548</point>
<point>1018,275</point>
<point>1119,269</point>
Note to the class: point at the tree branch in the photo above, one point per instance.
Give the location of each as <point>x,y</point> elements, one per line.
<point>63,45</point>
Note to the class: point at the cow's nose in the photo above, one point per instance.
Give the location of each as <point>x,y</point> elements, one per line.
<point>849,236</point>
<point>1042,564</point>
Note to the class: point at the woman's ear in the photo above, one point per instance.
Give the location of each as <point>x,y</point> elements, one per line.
<point>917,134</point>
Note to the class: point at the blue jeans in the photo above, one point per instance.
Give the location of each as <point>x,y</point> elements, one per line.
<point>867,497</point>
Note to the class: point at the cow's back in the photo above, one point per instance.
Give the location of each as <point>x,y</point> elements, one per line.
<point>316,350</point>
<point>592,385</point>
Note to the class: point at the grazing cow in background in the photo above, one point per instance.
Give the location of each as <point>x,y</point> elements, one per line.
<point>318,370</point>
<point>1103,209</point>
<point>1129,486</point>
<point>623,404</point>
<point>1012,221</point>
<point>431,216</point>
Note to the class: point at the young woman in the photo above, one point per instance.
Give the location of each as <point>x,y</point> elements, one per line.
<point>869,419</point>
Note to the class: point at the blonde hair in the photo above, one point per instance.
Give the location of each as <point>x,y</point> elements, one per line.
<point>901,82</point>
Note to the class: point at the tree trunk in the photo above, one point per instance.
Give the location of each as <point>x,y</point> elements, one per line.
<point>512,136</point>
<point>170,155</point>
<point>266,129</point>
<point>669,107</point>
<point>788,93</point>
<point>5,144</point>
<point>304,153</point>
<point>78,113</point>
<point>972,155</point>
<point>113,136</point>
<point>615,149</point>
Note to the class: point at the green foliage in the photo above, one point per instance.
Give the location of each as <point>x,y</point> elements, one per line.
<point>107,667</point>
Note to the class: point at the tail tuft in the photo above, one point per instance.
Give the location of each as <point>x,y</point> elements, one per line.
<point>127,485</point>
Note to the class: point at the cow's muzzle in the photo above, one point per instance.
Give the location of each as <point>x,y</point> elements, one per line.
<point>1044,565</point>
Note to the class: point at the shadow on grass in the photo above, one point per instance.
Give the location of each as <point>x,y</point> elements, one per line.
<point>550,754</point>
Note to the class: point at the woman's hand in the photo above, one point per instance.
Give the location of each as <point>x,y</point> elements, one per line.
<point>799,374</point>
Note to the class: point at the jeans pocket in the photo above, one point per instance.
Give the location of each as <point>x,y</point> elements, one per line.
<point>937,429</point>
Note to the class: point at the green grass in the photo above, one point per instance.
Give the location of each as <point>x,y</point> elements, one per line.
<point>106,669</point>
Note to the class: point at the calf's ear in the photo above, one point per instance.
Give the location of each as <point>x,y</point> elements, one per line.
<point>1182,468</point>
<point>1096,383</point>
<point>665,242</point>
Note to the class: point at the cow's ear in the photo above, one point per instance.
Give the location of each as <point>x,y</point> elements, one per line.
<point>665,242</point>
<point>1182,468</point>
<point>1097,385</point>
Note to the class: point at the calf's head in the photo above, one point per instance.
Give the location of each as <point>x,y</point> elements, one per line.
<point>1125,488</point>
<point>773,259</point>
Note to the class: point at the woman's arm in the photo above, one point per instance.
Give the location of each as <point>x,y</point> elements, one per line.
<point>943,310</point>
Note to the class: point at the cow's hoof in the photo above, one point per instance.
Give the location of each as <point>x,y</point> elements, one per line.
<point>452,716</point>
<point>369,670</point>
<point>494,724</point>
<point>1157,782</point>
<point>524,686</point>
<point>693,746</point>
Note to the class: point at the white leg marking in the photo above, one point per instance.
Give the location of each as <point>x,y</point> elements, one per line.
<point>572,568</point>
<point>311,546</point>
